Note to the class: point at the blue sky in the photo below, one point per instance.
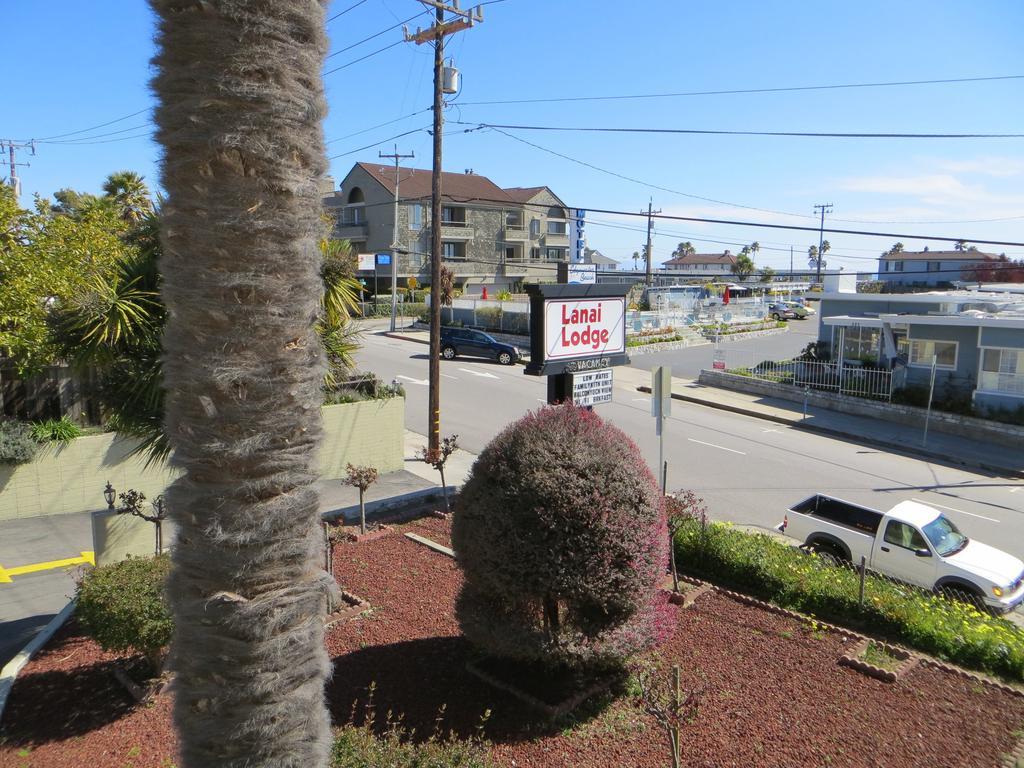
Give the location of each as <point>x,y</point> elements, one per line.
<point>73,65</point>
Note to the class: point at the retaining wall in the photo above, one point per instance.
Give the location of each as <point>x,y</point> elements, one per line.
<point>69,478</point>
<point>950,423</point>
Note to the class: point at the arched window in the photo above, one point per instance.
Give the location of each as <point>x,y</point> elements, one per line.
<point>354,209</point>
<point>554,212</point>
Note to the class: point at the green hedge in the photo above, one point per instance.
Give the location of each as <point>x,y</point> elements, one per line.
<point>770,569</point>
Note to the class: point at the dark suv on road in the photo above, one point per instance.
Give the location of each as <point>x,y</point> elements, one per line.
<point>464,341</point>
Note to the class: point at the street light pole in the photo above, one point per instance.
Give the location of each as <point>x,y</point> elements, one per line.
<point>394,236</point>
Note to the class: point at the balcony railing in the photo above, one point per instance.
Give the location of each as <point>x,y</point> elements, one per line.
<point>556,241</point>
<point>515,233</point>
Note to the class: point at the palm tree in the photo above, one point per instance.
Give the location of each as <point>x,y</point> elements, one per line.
<point>684,249</point>
<point>240,106</point>
<point>128,191</point>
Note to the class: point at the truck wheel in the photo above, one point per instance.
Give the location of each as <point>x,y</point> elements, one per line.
<point>829,554</point>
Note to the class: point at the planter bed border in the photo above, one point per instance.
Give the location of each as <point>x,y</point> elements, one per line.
<point>356,606</point>
<point>852,659</point>
<point>923,659</point>
<point>551,711</point>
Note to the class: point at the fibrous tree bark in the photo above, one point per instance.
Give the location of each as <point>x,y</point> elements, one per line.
<point>239,113</point>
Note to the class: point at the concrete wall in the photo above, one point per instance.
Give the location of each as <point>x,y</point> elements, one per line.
<point>70,478</point>
<point>964,426</point>
<point>115,537</point>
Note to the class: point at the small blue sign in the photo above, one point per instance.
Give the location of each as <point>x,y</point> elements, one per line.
<point>383,259</point>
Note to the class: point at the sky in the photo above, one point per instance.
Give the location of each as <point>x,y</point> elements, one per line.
<point>72,67</point>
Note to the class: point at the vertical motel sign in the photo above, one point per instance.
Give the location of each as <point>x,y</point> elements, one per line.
<point>575,329</point>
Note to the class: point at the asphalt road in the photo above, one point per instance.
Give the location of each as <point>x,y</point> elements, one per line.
<point>747,470</point>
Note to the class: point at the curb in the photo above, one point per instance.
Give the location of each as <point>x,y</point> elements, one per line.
<point>864,439</point>
<point>379,506</point>
<point>11,670</point>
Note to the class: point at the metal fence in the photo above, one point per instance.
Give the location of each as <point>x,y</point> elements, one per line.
<point>855,380</point>
<point>871,585</point>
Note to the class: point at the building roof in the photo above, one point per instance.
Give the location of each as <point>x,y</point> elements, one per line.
<point>702,258</point>
<point>594,256</point>
<point>414,183</point>
<point>938,256</point>
<point>523,194</point>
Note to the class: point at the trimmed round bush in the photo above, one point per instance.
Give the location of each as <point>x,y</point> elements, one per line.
<point>122,606</point>
<point>560,532</point>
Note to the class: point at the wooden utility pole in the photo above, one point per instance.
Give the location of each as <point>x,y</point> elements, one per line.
<point>436,33</point>
<point>394,235</point>
<point>647,252</point>
<point>824,208</point>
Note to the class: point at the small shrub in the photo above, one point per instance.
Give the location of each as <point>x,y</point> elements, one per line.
<point>60,430</point>
<point>775,571</point>
<point>359,746</point>
<point>17,446</point>
<point>122,606</point>
<point>561,535</point>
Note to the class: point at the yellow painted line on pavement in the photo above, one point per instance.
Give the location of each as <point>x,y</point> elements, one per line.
<point>49,565</point>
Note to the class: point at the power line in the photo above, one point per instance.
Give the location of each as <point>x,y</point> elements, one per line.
<point>743,90</point>
<point>93,128</point>
<point>378,143</point>
<point>639,181</point>
<point>342,13</point>
<point>86,139</point>
<point>379,125</point>
<point>706,132</point>
<point>362,58</point>
<point>375,36</point>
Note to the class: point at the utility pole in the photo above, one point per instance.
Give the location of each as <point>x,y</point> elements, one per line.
<point>394,237</point>
<point>12,161</point>
<point>437,33</point>
<point>650,225</point>
<point>824,208</point>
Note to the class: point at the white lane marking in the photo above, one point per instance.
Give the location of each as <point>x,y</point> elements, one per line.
<point>722,447</point>
<point>483,374</point>
<point>1014,490</point>
<point>421,382</point>
<point>542,401</point>
<point>641,399</point>
<point>954,509</point>
<point>446,376</point>
<point>779,431</point>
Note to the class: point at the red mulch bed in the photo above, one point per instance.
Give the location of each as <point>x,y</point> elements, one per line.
<point>774,694</point>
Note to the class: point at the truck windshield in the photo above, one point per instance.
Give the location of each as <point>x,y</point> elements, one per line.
<point>944,536</point>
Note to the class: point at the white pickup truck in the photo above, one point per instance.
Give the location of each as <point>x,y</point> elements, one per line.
<point>911,542</point>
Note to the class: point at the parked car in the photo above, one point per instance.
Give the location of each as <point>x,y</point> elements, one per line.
<point>911,542</point>
<point>801,311</point>
<point>470,343</point>
<point>779,311</point>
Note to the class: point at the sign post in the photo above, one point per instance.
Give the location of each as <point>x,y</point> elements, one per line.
<point>661,408</point>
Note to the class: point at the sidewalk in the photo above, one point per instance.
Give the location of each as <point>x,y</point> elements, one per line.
<point>942,447</point>
<point>394,489</point>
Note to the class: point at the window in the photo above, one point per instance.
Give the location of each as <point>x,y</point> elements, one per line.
<point>1002,370</point>
<point>897,266</point>
<point>452,216</point>
<point>904,535</point>
<point>354,215</point>
<point>886,266</point>
<point>453,251</point>
<point>514,220</point>
<point>416,216</point>
<point>554,212</point>
<point>534,227</point>
<point>535,254</point>
<point>556,254</point>
<point>556,227</point>
<point>921,353</point>
<point>934,266</point>
<point>860,343</point>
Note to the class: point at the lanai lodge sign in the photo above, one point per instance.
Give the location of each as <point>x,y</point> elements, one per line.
<point>576,327</point>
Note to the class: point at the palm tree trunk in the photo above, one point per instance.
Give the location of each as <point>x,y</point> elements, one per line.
<point>240,105</point>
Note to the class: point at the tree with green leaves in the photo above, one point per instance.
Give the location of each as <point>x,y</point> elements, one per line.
<point>46,260</point>
<point>767,274</point>
<point>240,104</point>
<point>128,193</point>
<point>743,267</point>
<point>684,249</point>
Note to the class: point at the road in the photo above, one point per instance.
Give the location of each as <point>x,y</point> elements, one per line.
<point>747,470</point>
